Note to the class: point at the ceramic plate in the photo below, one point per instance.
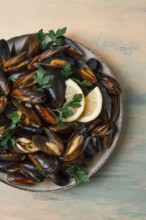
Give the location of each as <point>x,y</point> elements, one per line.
<point>99,159</point>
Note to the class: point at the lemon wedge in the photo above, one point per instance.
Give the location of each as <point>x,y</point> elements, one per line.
<point>93,105</point>
<point>71,89</point>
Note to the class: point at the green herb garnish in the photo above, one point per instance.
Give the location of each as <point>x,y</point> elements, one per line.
<point>15,118</point>
<point>66,71</point>
<point>66,111</point>
<point>44,81</point>
<point>82,83</point>
<point>77,173</point>
<point>6,137</point>
<point>56,37</point>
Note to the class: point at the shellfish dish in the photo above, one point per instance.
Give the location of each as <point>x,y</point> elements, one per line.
<point>58,110</point>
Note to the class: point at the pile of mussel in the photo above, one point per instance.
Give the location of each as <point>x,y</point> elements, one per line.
<point>38,148</point>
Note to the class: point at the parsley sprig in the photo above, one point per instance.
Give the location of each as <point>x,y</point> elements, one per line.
<point>77,173</point>
<point>44,81</point>
<point>55,37</point>
<point>10,131</point>
<point>67,110</point>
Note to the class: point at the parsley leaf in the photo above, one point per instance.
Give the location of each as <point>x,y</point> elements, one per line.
<point>66,71</point>
<point>56,37</point>
<point>44,81</point>
<point>82,83</point>
<point>79,174</point>
<point>15,118</point>
<point>40,35</point>
<point>66,111</point>
<point>6,137</point>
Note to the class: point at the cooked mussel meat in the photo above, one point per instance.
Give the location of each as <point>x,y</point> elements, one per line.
<point>3,104</point>
<point>51,145</point>
<point>11,156</point>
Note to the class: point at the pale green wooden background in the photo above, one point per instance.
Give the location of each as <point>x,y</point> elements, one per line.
<point>116,29</point>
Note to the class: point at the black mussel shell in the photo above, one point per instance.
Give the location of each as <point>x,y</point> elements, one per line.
<point>57,89</point>
<point>4,49</point>
<point>61,178</point>
<point>45,163</point>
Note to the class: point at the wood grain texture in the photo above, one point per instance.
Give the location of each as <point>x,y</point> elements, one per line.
<point>116,30</point>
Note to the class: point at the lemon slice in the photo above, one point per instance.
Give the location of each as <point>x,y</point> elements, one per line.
<point>71,89</point>
<point>93,105</point>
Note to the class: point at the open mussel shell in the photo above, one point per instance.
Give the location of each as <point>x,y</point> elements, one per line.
<point>24,144</point>
<point>103,129</point>
<point>61,178</point>
<point>18,178</point>
<point>110,84</point>
<point>4,49</point>
<point>16,63</point>
<point>85,72</point>
<point>107,140</point>
<point>74,51</point>
<point>4,84</point>
<point>57,89</point>
<point>46,114</point>
<point>30,113</point>
<point>51,145</point>
<point>3,104</point>
<point>45,163</point>
<point>31,45</point>
<point>11,156</point>
<point>24,80</point>
<point>28,95</point>
<point>74,148</point>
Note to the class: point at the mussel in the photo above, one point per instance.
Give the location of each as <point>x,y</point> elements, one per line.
<point>57,89</point>
<point>13,51</point>
<point>46,114</point>
<point>25,80</point>
<point>85,72</point>
<point>29,115</point>
<point>11,156</point>
<point>4,84</point>
<point>3,104</point>
<point>51,145</point>
<point>24,144</point>
<point>4,49</point>
<point>5,166</point>
<point>74,148</point>
<point>28,95</point>
<point>45,163</point>
<point>94,65</point>
<point>74,51</point>
<point>16,63</point>
<point>18,178</point>
<point>110,84</point>
<point>31,45</point>
<point>61,178</point>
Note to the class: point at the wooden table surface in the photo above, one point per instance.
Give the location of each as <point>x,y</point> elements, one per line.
<point>116,30</point>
